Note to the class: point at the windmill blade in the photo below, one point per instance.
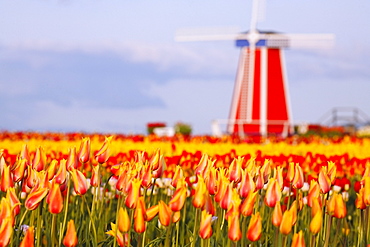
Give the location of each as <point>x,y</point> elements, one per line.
<point>207,34</point>
<point>300,40</point>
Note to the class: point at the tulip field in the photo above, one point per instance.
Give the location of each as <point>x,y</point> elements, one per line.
<point>77,189</point>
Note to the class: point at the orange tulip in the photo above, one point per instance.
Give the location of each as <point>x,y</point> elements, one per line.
<point>79,182</point>
<point>316,222</point>
<point>70,239</point>
<point>164,213</point>
<point>29,238</point>
<point>248,204</point>
<point>19,169</point>
<point>366,192</point>
<point>50,171</point>
<point>277,215</point>
<point>316,207</point>
<point>324,181</point>
<point>161,167</point>
<point>279,177</point>
<point>255,228</point>
<point>298,179</point>
<point>55,199</point>
<point>298,240</point>
<point>72,161</point>
<point>35,197</point>
<point>120,238</point>
<point>340,209</point>
<point>61,175</point>
<point>247,184</point>
<point>205,229</point>
<point>139,216</point>
<point>6,231</point>
<point>133,193</point>
<point>235,170</point>
<point>6,211</point>
<point>313,192</point>
<point>124,222</point>
<point>359,203</point>
<point>25,154</point>
<point>221,188</point>
<point>234,233</point>
<point>39,160</point>
<point>103,154</point>
<point>146,176</point>
<point>199,195</point>
<point>273,193</point>
<point>178,199</point>
<point>179,174</point>
<point>226,200</point>
<point>152,212</point>
<point>286,222</point>
<point>202,166</point>
<point>208,206</point>
<point>95,179</point>
<point>211,181</point>
<point>291,172</point>
<point>13,200</point>
<point>6,177</point>
<point>176,216</point>
<point>84,152</point>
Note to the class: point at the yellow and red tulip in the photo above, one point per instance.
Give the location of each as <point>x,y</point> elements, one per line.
<point>254,230</point>
<point>70,239</point>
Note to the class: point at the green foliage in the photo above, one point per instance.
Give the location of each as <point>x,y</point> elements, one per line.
<point>183,128</point>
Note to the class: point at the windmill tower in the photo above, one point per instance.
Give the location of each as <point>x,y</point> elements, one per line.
<point>260,103</point>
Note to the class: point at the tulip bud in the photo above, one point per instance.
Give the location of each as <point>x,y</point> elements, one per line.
<point>55,199</point>
<point>205,229</point>
<point>84,152</point>
<point>124,222</point>
<point>79,182</point>
<point>298,240</point>
<point>70,239</point>
<point>255,228</point>
<point>29,238</point>
<point>103,154</point>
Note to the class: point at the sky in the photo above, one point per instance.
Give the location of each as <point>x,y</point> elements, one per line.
<point>114,65</point>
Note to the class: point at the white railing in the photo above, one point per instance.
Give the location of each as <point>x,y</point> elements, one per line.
<point>230,123</point>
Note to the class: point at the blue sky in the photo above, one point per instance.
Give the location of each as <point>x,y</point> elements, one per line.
<point>113,66</point>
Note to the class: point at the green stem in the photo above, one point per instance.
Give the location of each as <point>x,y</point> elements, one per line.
<point>53,229</point>
<point>93,225</point>
<point>327,234</point>
<point>195,232</point>
<point>61,233</point>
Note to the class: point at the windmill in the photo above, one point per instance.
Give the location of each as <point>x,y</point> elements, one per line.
<point>260,103</point>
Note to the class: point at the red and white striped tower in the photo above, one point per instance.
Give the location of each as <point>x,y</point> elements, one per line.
<point>260,103</point>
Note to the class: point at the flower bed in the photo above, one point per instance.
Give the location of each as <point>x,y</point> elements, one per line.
<point>91,190</point>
